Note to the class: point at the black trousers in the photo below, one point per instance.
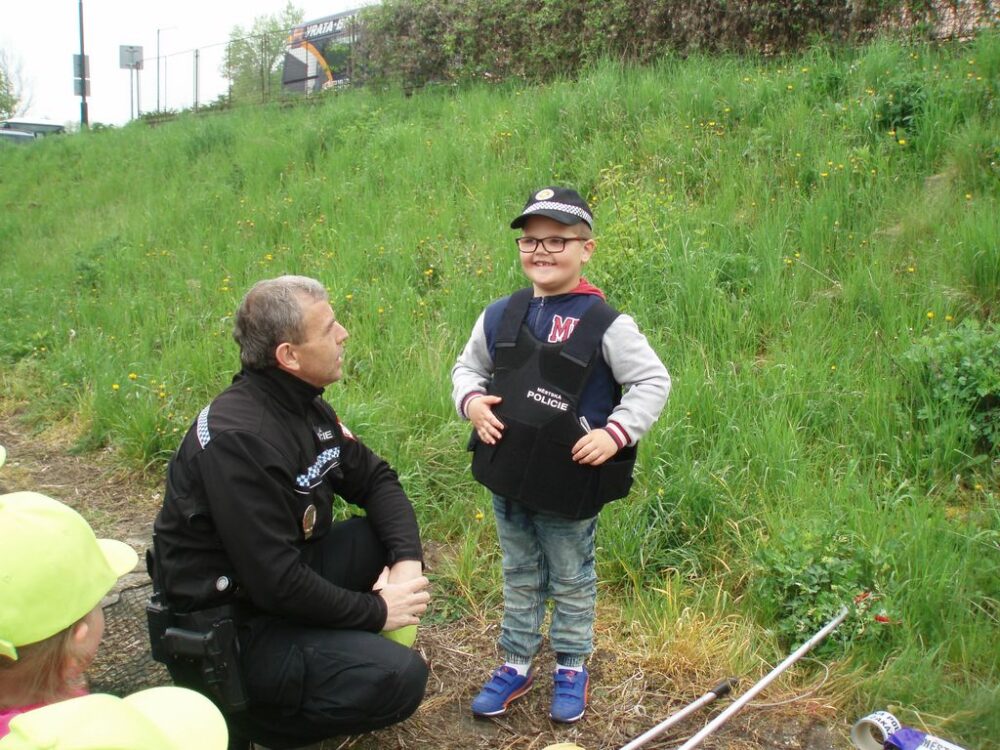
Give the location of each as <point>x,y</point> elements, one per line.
<point>306,684</point>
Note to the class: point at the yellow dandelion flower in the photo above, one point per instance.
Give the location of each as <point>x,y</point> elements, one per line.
<point>902,141</point>
<point>948,318</point>
<point>115,386</point>
<point>479,515</point>
<point>930,315</point>
<point>348,297</point>
<point>911,269</point>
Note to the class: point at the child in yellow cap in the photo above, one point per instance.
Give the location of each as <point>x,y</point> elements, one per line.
<point>53,574</point>
<point>161,718</point>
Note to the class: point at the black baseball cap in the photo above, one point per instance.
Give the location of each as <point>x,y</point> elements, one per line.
<point>562,204</point>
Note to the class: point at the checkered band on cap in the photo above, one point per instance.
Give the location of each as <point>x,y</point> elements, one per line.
<point>564,207</point>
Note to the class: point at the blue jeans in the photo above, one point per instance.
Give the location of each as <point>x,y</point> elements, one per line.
<point>546,556</point>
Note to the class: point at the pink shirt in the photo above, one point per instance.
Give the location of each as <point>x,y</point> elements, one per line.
<point>7,714</point>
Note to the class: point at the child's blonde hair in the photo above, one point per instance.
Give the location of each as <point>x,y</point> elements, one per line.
<point>40,673</point>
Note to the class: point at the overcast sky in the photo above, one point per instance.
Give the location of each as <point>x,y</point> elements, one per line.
<point>40,37</point>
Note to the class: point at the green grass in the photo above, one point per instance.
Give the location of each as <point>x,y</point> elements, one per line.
<point>783,230</point>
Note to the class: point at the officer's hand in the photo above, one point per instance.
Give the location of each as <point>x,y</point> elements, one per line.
<point>594,448</point>
<point>486,423</point>
<point>404,601</point>
<point>404,570</point>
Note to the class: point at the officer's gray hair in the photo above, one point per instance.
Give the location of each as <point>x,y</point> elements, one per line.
<point>271,314</point>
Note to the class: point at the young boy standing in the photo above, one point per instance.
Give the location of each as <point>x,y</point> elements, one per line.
<point>559,387</point>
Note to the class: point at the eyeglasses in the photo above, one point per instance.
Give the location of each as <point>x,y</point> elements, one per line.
<point>550,244</point>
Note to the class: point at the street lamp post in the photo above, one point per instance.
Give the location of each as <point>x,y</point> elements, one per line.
<point>164,28</point>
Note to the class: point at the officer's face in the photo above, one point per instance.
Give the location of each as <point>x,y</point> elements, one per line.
<point>320,355</point>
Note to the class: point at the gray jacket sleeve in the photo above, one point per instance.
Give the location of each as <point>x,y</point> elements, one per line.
<point>644,379</point>
<point>473,369</point>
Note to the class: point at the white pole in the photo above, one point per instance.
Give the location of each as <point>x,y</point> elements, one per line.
<point>711,695</point>
<point>749,694</point>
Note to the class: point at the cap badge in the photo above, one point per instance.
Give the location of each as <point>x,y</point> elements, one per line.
<point>309,521</point>
<point>544,195</point>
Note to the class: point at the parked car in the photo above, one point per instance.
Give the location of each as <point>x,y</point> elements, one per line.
<point>15,136</point>
<point>37,128</point>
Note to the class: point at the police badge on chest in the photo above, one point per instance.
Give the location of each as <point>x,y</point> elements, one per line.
<point>309,521</point>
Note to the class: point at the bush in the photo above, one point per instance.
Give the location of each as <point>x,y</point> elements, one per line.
<point>414,42</point>
<point>960,369</point>
<point>804,578</point>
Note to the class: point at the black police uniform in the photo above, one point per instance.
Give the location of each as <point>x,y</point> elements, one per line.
<point>247,521</point>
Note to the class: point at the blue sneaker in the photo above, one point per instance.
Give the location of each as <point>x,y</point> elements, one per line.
<point>503,688</point>
<point>569,695</point>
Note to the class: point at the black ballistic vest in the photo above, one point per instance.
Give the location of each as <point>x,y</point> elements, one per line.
<point>540,384</point>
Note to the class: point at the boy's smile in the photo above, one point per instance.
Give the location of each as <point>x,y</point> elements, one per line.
<point>555,273</point>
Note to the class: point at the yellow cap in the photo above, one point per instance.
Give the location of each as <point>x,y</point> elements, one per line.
<point>53,570</point>
<point>161,718</point>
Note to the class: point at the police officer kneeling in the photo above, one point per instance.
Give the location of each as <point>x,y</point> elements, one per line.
<point>261,601</point>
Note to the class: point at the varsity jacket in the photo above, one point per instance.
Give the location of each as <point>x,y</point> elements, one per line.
<point>627,362</point>
<point>251,490</point>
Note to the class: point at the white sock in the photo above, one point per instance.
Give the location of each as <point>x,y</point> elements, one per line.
<point>521,669</point>
<point>573,669</point>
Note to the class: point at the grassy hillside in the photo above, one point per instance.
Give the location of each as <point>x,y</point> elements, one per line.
<point>810,244</point>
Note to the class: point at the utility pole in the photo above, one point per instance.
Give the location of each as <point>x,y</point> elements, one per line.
<point>84,121</point>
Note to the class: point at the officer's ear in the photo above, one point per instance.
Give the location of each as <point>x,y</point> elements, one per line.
<point>286,357</point>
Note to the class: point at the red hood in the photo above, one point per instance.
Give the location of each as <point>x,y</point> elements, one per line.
<point>585,287</point>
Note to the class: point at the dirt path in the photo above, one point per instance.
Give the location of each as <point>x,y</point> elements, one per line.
<point>628,696</point>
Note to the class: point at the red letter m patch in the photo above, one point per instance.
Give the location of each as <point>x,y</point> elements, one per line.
<point>561,328</point>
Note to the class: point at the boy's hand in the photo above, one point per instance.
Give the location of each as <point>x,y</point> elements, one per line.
<point>487,425</point>
<point>594,448</point>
